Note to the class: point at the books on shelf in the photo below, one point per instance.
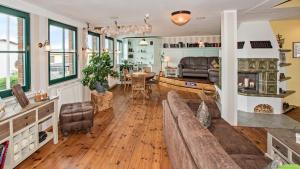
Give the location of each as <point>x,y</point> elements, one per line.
<point>3,152</point>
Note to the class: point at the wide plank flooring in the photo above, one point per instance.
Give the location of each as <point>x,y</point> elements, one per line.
<point>129,136</point>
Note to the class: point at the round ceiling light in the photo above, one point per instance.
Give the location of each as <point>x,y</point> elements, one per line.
<point>181,17</point>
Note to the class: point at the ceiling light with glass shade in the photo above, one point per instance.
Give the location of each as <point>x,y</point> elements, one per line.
<point>181,17</point>
<point>143,42</point>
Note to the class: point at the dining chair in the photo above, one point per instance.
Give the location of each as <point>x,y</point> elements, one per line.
<point>138,85</point>
<point>126,80</point>
<point>150,83</point>
<point>147,69</point>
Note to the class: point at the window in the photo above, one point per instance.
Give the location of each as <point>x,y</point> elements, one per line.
<point>93,43</point>
<point>109,45</point>
<point>14,50</point>
<point>120,56</point>
<point>63,54</point>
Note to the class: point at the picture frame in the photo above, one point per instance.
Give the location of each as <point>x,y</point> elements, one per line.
<point>296,49</point>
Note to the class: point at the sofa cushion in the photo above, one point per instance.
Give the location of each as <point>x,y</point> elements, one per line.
<point>200,60</point>
<point>203,115</point>
<point>197,71</point>
<point>204,148</point>
<point>178,153</point>
<point>185,61</point>
<point>177,105</point>
<point>251,161</point>
<point>231,140</point>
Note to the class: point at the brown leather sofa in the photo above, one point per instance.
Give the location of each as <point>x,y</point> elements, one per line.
<point>195,66</point>
<point>191,146</point>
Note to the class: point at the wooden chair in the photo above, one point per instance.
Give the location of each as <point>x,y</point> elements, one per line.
<point>147,69</point>
<point>138,85</point>
<point>125,79</point>
<point>150,83</point>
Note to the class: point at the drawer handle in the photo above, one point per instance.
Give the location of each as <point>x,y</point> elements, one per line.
<point>26,117</point>
<point>277,147</point>
<point>48,110</point>
<point>26,124</point>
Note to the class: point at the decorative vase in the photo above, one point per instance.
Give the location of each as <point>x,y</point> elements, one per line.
<point>101,87</point>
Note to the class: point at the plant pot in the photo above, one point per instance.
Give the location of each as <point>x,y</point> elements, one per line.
<point>101,87</point>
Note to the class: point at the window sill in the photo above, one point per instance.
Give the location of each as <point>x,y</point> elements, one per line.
<point>65,83</point>
<point>12,99</point>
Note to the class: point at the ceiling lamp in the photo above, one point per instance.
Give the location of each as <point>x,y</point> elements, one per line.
<point>143,42</point>
<point>181,17</point>
<point>119,30</point>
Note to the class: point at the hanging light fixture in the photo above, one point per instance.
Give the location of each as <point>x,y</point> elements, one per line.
<point>181,17</point>
<point>143,42</point>
<point>118,30</point>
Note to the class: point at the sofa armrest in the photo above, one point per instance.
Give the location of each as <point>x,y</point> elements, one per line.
<point>180,67</point>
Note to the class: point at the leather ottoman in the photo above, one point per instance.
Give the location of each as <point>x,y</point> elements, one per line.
<point>76,117</point>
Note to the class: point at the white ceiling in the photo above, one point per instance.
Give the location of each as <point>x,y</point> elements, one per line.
<point>99,12</point>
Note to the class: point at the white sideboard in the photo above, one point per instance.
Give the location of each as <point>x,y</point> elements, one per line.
<point>282,143</point>
<point>21,128</point>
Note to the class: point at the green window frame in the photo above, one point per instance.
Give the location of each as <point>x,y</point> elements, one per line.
<point>111,51</point>
<point>120,54</point>
<point>94,45</point>
<point>23,53</point>
<point>63,52</point>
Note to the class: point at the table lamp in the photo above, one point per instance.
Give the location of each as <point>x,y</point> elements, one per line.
<point>167,59</point>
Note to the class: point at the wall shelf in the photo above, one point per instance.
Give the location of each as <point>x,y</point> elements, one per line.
<point>284,64</point>
<point>285,50</point>
<point>283,95</point>
<point>290,108</point>
<point>285,79</point>
<point>287,93</point>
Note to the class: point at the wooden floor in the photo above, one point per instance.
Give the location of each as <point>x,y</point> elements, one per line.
<point>129,136</point>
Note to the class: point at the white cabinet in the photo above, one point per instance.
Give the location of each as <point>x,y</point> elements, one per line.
<point>21,129</point>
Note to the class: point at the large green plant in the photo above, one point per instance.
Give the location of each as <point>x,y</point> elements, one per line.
<point>98,70</point>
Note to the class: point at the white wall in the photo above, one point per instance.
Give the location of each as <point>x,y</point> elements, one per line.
<point>229,66</point>
<point>247,104</point>
<point>257,31</point>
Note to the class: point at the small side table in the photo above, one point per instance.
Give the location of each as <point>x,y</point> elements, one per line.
<point>282,142</point>
<point>171,71</point>
<point>102,101</point>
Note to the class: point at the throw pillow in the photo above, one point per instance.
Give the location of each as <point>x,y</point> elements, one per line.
<point>215,64</point>
<point>203,115</point>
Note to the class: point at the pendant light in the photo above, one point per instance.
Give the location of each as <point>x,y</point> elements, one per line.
<point>181,17</point>
<point>143,42</point>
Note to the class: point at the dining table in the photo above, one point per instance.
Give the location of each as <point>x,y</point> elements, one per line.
<point>148,77</point>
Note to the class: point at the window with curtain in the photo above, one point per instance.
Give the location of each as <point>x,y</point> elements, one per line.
<point>109,46</point>
<point>120,56</point>
<point>14,50</point>
<point>93,43</point>
<point>63,54</point>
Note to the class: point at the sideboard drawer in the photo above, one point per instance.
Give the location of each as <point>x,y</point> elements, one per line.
<point>295,158</point>
<point>24,121</point>
<point>4,130</point>
<point>45,110</point>
<point>280,147</point>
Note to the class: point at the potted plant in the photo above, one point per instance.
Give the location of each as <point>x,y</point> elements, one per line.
<point>126,65</point>
<point>95,74</point>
